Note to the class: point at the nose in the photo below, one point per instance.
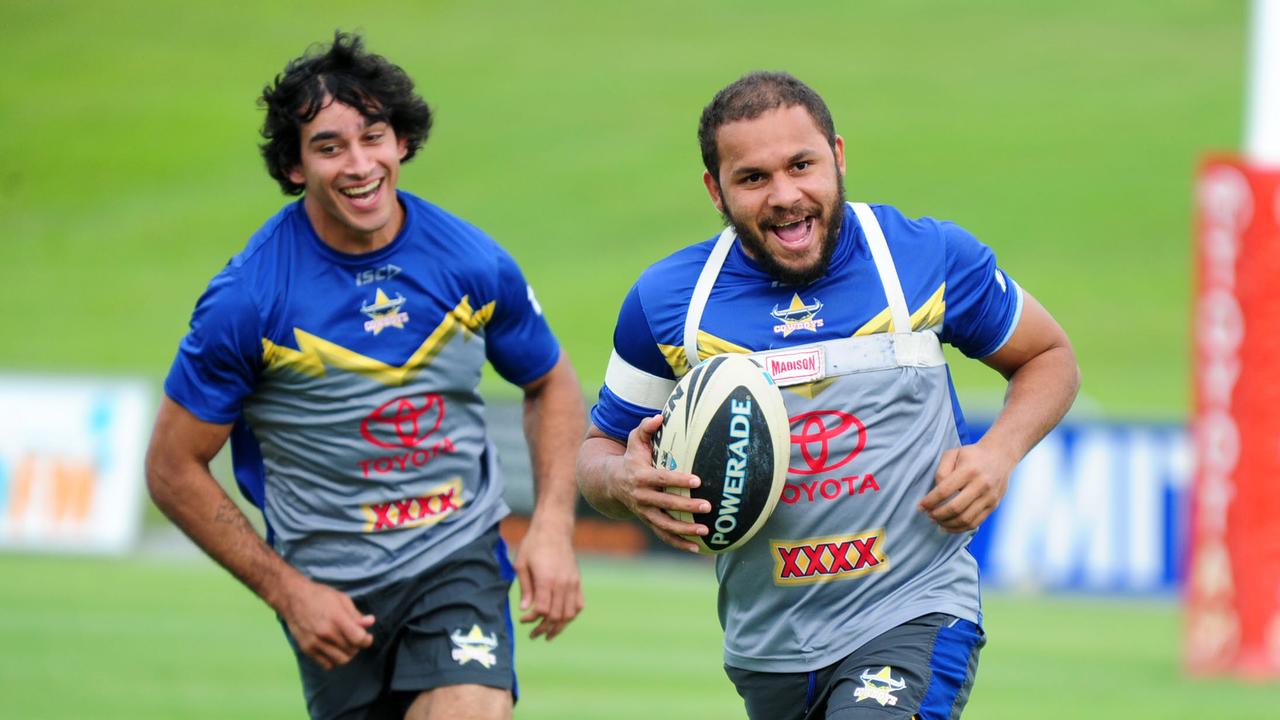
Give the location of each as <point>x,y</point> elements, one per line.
<point>784,191</point>
<point>359,161</point>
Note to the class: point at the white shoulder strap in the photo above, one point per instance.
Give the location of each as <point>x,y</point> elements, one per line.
<point>702,291</point>
<point>884,265</point>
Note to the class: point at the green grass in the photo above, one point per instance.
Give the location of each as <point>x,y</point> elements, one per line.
<point>151,637</point>
<point>1064,135</point>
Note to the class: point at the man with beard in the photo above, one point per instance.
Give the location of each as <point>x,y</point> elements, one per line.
<point>340,355</point>
<point>857,599</point>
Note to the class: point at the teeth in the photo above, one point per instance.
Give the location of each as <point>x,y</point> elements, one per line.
<point>362,190</point>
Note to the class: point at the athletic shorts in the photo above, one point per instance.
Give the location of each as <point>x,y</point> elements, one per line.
<point>451,626</point>
<point>920,669</point>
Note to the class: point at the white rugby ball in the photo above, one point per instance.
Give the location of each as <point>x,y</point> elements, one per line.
<point>725,422</point>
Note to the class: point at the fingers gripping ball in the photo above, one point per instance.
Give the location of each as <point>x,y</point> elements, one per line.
<point>726,423</point>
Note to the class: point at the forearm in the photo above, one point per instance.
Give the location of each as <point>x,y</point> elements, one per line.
<point>1038,396</point>
<point>193,500</point>
<point>597,461</point>
<point>553,423</point>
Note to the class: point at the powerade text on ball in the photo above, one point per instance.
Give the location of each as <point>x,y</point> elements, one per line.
<point>734,469</point>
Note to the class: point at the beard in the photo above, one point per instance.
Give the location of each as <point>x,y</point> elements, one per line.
<point>752,239</point>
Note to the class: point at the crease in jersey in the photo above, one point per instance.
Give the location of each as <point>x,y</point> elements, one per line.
<point>315,354</point>
<point>928,316</point>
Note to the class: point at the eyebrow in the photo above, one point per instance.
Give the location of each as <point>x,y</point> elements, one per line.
<point>805,153</point>
<point>801,155</point>
<point>322,135</point>
<point>334,134</point>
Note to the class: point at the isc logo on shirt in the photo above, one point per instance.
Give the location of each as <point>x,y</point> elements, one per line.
<point>372,275</point>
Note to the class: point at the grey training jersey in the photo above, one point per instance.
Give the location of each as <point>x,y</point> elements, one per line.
<point>870,418</point>
<point>846,554</point>
<point>352,382</point>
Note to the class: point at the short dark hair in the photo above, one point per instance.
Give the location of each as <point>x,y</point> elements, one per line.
<point>347,73</point>
<point>751,96</point>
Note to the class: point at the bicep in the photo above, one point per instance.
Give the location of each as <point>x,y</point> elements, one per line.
<point>1036,333</point>
<point>179,437</point>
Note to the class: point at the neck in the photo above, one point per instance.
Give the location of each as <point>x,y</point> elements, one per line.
<point>346,239</point>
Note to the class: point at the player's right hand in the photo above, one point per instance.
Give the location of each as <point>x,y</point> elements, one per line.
<point>641,488</point>
<point>325,623</point>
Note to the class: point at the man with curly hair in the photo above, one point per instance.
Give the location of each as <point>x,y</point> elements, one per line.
<point>340,354</point>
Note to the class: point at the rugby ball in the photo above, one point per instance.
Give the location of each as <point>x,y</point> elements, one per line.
<point>725,422</point>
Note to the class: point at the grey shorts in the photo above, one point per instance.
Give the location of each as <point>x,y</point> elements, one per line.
<point>451,626</point>
<point>920,669</point>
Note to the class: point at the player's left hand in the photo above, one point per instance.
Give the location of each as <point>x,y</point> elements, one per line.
<point>550,588</point>
<point>970,482</point>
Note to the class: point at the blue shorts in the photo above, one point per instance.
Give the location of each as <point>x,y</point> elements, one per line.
<point>450,626</point>
<point>920,669</point>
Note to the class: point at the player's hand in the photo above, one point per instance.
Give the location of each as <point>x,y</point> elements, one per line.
<point>325,623</point>
<point>550,587</point>
<point>970,482</point>
<point>640,487</point>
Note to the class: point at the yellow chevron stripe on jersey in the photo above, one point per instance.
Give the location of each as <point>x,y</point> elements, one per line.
<point>927,316</point>
<point>315,354</point>
<point>708,345</point>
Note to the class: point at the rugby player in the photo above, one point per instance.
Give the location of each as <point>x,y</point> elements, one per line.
<point>858,598</point>
<point>339,353</point>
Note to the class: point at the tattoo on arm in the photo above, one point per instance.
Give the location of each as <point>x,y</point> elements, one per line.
<point>229,514</point>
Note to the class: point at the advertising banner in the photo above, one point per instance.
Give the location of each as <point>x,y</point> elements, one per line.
<point>1095,507</point>
<point>71,463</point>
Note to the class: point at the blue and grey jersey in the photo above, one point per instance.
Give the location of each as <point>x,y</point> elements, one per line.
<point>352,381</point>
<point>846,555</point>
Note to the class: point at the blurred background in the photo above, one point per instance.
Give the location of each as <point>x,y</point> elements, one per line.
<point>1064,135</point>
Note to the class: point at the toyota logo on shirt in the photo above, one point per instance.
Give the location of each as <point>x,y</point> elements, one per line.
<point>403,422</point>
<point>814,431</point>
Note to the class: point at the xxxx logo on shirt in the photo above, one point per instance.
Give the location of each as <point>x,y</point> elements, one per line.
<point>428,508</point>
<point>824,559</point>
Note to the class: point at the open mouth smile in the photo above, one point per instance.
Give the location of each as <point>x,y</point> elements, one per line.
<point>362,192</point>
<point>794,233</point>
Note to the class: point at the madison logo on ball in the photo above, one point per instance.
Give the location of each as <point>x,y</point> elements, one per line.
<point>403,426</point>
<point>825,559</point>
<point>824,443</point>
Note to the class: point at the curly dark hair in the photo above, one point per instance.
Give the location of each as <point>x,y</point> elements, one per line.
<point>347,73</point>
<point>751,96</point>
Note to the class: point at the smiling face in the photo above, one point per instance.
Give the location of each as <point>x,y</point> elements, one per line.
<point>781,187</point>
<point>350,166</point>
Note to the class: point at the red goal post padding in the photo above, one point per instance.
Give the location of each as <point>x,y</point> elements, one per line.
<point>1233,582</point>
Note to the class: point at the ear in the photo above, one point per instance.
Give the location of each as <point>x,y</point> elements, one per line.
<point>296,176</point>
<point>403,145</point>
<point>840,154</point>
<point>713,188</point>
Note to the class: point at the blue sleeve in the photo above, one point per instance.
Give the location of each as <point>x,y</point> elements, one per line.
<point>982,303</point>
<point>518,341</point>
<point>219,360</point>
<point>637,354</point>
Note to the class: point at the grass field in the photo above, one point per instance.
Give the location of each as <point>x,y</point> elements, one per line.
<point>177,638</point>
<point>1065,135</point>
